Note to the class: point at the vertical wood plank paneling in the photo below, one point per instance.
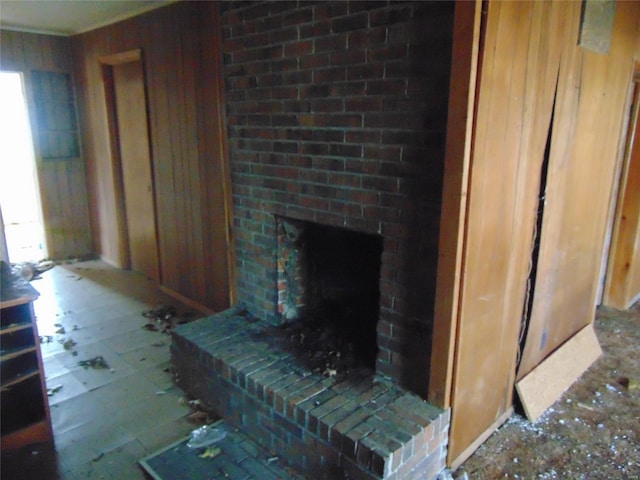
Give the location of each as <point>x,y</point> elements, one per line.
<point>77,189</point>
<point>78,82</point>
<point>64,185</point>
<point>64,201</point>
<point>198,279</point>
<point>581,175</point>
<point>60,47</point>
<point>173,164</point>
<point>31,49</point>
<point>215,182</point>
<point>8,49</point>
<point>487,335</point>
<point>170,39</point>
<point>622,286</point>
<point>44,46</point>
<point>185,71</point>
<point>178,141</point>
<point>156,68</point>
<point>527,46</point>
<point>52,210</point>
<point>511,128</point>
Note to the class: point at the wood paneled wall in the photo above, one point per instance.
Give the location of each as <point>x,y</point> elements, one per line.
<point>592,105</point>
<point>535,85</point>
<point>622,285</point>
<point>62,182</point>
<point>179,50</point>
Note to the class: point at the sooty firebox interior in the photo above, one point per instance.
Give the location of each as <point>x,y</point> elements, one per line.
<point>331,275</point>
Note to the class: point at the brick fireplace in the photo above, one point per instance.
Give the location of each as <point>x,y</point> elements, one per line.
<point>329,283</point>
<point>336,115</point>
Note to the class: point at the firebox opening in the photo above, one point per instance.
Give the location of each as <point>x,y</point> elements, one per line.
<point>337,277</point>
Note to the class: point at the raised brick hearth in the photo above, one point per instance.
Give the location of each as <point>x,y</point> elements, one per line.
<point>359,427</point>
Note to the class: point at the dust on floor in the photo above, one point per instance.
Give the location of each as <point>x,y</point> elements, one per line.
<point>591,432</point>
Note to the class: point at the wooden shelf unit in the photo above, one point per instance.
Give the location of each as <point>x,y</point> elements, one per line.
<point>25,417</point>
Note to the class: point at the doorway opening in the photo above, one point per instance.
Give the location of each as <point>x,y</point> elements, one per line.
<point>20,206</point>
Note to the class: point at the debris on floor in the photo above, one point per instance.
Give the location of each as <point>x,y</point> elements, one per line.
<point>31,271</point>
<point>98,362</point>
<point>205,435</point>
<point>210,452</point>
<point>163,312</point>
<point>53,390</point>
<point>68,344</point>
<point>201,413</point>
<point>79,259</point>
<point>76,409</point>
<point>97,457</point>
<point>591,432</point>
<point>165,318</point>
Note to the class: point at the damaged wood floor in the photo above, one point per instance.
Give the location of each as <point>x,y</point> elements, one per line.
<point>112,397</point>
<point>591,432</point>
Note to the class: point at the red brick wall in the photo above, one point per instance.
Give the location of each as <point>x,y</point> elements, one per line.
<point>336,114</point>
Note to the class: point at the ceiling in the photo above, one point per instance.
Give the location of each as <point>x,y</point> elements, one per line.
<point>69,17</point>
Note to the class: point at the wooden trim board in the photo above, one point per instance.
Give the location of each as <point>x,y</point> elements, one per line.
<point>225,168</point>
<point>187,301</point>
<point>551,378</point>
<point>122,57</point>
<point>462,98</point>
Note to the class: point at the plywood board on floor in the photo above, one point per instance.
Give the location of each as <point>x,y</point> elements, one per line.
<point>549,380</point>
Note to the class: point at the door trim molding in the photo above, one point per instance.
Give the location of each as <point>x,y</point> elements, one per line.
<point>122,57</point>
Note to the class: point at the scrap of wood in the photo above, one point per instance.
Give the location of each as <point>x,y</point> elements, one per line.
<point>549,380</point>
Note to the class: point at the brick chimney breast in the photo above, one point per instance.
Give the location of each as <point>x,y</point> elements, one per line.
<point>336,115</point>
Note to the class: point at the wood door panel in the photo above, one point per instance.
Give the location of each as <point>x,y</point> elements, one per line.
<point>511,131</point>
<point>592,101</point>
<point>133,134</point>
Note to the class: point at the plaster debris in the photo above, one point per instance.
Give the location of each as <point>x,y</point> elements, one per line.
<point>53,390</point>
<point>68,344</point>
<point>590,432</point>
<point>165,318</point>
<point>98,362</point>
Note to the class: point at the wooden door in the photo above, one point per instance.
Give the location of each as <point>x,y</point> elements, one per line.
<point>135,162</point>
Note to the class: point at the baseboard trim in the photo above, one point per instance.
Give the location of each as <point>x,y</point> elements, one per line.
<point>187,301</point>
